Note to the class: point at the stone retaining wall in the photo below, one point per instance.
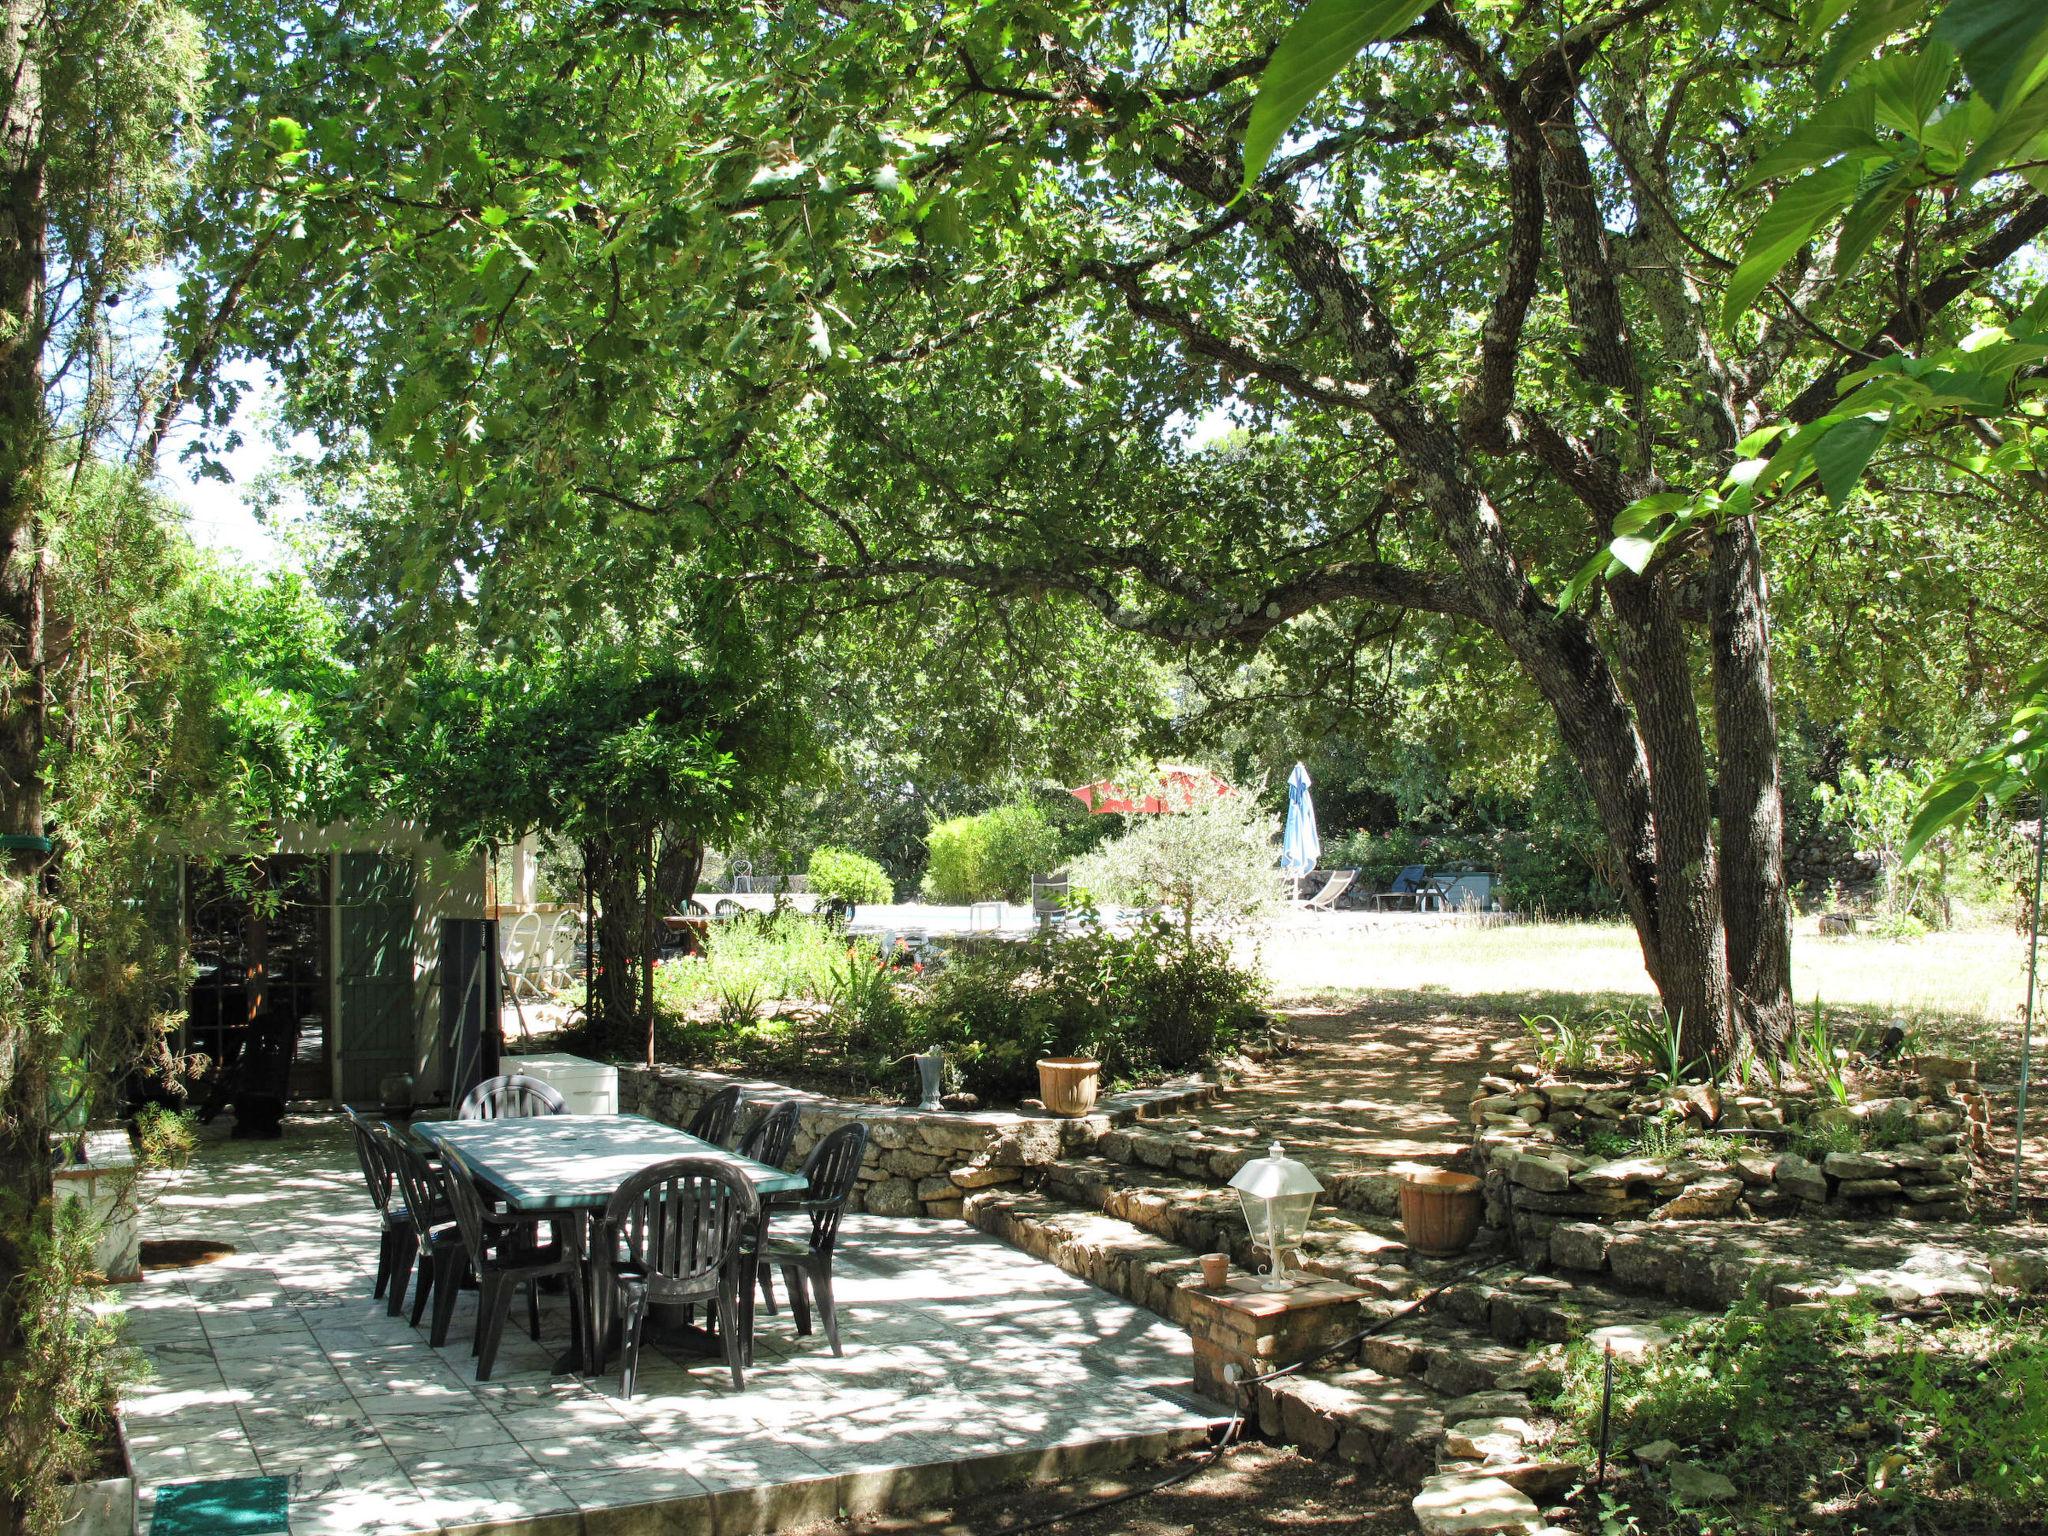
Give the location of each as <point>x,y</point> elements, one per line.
<point>919,1162</point>
<point>1555,1195</point>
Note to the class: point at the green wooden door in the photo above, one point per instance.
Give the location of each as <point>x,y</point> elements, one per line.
<point>374,907</point>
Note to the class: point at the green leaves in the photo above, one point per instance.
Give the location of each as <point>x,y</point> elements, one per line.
<point>2003,45</point>
<point>284,134</point>
<point>1841,453</point>
<point>1901,109</point>
<point>1324,38</point>
<point>1802,208</point>
<point>2019,761</point>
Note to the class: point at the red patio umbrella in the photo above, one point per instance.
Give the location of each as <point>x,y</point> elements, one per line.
<point>1176,787</point>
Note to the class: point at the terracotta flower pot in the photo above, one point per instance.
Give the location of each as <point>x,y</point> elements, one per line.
<point>1067,1084</point>
<point>1215,1270</point>
<point>1440,1211</point>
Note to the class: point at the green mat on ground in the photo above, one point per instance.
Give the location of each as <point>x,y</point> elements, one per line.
<point>226,1506</point>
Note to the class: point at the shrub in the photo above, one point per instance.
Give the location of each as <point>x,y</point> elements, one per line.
<point>1216,860</point>
<point>842,874</point>
<point>991,856</point>
<point>1950,1418</point>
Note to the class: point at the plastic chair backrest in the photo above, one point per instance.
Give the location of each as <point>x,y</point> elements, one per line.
<point>829,1174</point>
<point>426,1202</point>
<point>715,1117</point>
<point>377,1177</point>
<point>511,1097</point>
<point>769,1138</point>
<point>681,1219</point>
<point>460,1182</point>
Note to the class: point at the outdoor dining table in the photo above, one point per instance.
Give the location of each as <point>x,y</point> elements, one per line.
<point>567,1166</point>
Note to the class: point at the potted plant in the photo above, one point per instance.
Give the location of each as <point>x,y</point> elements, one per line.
<point>1068,1084</point>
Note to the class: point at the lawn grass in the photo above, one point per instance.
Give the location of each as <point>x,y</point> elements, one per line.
<point>1961,989</point>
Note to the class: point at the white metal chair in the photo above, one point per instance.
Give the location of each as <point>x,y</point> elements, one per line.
<point>519,951</point>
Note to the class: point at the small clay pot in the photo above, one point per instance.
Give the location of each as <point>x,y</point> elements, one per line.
<point>1215,1270</point>
<point>1440,1212</point>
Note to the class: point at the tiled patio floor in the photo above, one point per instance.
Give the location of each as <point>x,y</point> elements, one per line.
<point>967,1364</point>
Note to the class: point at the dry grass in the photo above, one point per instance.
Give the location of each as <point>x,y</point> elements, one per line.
<point>1976,976</point>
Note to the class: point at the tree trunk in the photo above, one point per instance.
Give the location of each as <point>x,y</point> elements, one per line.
<point>24,1055</point>
<point>1757,905</point>
<point>613,862</point>
<point>1690,940</point>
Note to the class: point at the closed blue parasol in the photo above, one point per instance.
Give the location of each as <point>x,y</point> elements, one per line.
<point>1299,845</point>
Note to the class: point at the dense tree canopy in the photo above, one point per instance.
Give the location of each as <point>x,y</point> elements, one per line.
<point>892,297</point>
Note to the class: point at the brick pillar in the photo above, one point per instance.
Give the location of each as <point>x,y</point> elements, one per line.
<point>1258,1331</point>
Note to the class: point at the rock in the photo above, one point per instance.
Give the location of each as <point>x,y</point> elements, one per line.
<point>1796,1176</point>
<point>1493,1440</point>
<point>1694,1484</point>
<point>1714,1195</point>
<point>1656,1453</point>
<point>1937,1122</point>
<point>893,1197</point>
<point>1469,1504</point>
<point>1493,1104</point>
<point>1154,1151</point>
<point>959,1102</point>
<point>1224,1165</point>
<point>1544,1481</point>
<point>1565,1095</point>
<point>1878,1111</point>
<point>1929,1274</point>
<point>1631,1342</point>
<point>1856,1165</point>
<point>2023,1272</point>
<point>981,1176</point>
<point>1870,1189</point>
<point>1544,1174</point>
<point>1931,1194</point>
<point>1616,1176</point>
<point>1701,1100</point>
<point>1487,1405</point>
<point>1755,1167</point>
<point>1949,1069</point>
<point>1580,1245</point>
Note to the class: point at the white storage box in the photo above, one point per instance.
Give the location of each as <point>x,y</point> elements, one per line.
<point>591,1087</point>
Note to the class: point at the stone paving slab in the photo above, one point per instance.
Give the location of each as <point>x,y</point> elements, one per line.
<point>968,1364</point>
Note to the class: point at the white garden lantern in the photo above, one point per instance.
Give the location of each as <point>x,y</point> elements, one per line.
<point>1277,1194</point>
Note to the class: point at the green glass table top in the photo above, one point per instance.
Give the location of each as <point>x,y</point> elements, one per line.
<point>569,1162</point>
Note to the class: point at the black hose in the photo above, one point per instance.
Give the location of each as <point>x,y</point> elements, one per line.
<point>1231,1430</point>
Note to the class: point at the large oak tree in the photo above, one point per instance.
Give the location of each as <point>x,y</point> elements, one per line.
<point>894,296</point>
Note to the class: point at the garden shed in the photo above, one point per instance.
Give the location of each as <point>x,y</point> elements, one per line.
<point>338,932</point>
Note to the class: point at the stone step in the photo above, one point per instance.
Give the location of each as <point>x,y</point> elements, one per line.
<point>1209,1150</point>
<point>1122,1258</point>
<point>1430,1402</point>
<point>1203,1218</point>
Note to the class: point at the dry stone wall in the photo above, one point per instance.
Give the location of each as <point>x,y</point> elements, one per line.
<point>1903,1153</point>
<point>919,1162</point>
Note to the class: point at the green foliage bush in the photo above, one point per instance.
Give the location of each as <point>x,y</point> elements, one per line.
<point>1905,1423</point>
<point>1548,848</point>
<point>1216,861</point>
<point>991,856</point>
<point>842,874</point>
<point>1142,1002</point>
